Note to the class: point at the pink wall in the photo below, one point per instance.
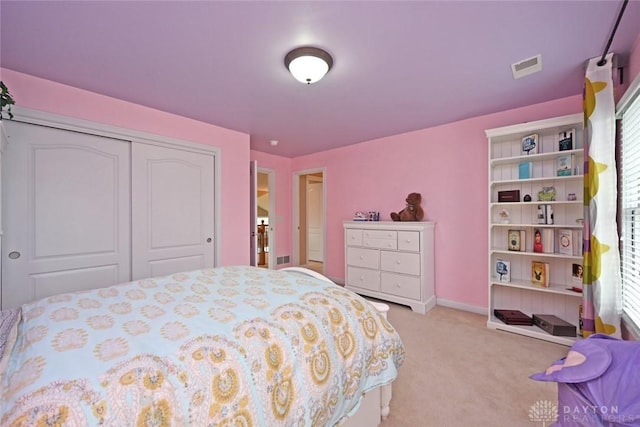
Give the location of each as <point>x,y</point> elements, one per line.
<point>38,94</point>
<point>448,166</point>
<point>282,173</point>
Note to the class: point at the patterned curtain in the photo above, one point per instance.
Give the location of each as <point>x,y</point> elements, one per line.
<point>602,295</point>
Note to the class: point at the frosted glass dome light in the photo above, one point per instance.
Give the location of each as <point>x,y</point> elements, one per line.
<point>308,64</point>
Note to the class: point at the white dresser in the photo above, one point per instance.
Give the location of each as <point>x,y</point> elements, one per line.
<point>391,261</point>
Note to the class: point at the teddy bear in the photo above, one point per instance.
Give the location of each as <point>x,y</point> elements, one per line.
<point>412,212</point>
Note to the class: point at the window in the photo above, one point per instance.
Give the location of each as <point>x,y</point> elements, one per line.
<point>629,169</point>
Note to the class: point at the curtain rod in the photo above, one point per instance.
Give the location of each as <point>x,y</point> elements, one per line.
<point>613,33</point>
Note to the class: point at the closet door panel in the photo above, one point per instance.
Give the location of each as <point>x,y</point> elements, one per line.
<point>172,210</point>
<point>66,221</point>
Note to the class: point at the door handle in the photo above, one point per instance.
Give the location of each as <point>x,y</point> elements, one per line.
<point>14,255</point>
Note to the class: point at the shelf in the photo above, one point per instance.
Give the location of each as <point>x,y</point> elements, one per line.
<point>511,225</point>
<point>536,254</point>
<point>552,125</point>
<point>546,178</point>
<point>538,202</point>
<point>553,288</point>
<point>532,157</point>
<point>531,331</point>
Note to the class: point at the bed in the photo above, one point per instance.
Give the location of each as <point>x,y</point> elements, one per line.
<point>237,345</point>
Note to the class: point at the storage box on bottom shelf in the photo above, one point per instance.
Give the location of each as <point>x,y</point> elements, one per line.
<point>525,297</point>
<point>554,325</point>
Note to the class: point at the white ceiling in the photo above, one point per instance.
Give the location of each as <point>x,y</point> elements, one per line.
<point>398,65</point>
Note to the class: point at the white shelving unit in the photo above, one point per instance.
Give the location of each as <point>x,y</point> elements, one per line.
<point>520,293</point>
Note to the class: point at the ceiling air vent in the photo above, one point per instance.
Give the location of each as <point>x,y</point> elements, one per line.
<point>527,66</point>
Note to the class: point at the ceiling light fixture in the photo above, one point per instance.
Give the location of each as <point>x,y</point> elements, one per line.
<point>308,64</point>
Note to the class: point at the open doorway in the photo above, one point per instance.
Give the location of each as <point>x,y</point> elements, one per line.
<point>262,229</point>
<point>309,222</point>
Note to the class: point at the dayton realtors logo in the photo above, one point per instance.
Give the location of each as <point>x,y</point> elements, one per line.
<point>585,414</point>
<point>547,412</point>
<point>543,411</point>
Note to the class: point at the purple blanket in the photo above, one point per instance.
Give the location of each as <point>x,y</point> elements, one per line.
<point>598,383</point>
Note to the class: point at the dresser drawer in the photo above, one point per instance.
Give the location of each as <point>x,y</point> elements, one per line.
<point>382,239</point>
<point>363,278</point>
<point>403,286</point>
<point>400,262</point>
<point>354,237</point>
<point>409,241</point>
<point>361,257</point>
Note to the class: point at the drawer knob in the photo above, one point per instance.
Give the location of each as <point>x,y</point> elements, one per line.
<point>397,285</point>
<point>398,262</point>
<point>361,257</point>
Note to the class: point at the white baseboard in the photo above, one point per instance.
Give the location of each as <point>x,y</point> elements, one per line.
<point>464,307</point>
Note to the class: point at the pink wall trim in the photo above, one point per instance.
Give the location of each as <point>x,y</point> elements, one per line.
<point>282,172</point>
<point>38,94</point>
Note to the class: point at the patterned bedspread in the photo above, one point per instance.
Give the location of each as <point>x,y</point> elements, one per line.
<point>237,346</point>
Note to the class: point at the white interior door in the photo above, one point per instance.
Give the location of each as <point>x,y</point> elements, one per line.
<point>315,221</point>
<point>66,218</point>
<point>172,210</point>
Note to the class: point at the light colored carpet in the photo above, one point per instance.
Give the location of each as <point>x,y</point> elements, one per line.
<point>457,372</point>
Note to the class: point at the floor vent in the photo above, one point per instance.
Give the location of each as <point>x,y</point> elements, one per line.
<point>527,66</point>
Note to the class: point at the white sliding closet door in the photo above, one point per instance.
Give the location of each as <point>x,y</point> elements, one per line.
<point>173,210</point>
<point>66,212</point>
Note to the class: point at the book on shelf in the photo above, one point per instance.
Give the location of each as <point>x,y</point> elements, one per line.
<point>580,321</point>
<point>540,273</point>
<point>576,277</point>
<point>543,240</point>
<point>538,245</point>
<point>545,214</point>
<point>565,241</point>
<point>548,240</point>
<point>548,214</point>
<point>513,317</point>
<point>542,214</point>
<point>565,139</point>
<point>503,270</point>
<point>564,163</point>
<point>516,240</point>
<point>525,170</point>
<point>577,242</point>
<point>530,144</point>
